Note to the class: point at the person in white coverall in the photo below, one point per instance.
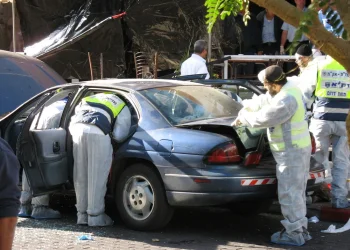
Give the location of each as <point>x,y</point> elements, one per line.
<point>96,119</point>
<point>328,126</point>
<point>38,207</point>
<point>282,112</point>
<point>328,119</point>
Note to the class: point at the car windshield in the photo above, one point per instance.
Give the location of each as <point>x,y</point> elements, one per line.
<point>183,104</point>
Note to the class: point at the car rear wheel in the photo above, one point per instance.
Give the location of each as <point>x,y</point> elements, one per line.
<point>251,208</point>
<point>141,200</point>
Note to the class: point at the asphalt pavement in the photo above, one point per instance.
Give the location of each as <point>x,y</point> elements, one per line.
<point>191,228</point>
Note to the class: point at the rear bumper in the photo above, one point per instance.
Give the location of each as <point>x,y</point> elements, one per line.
<point>210,188</point>
<point>214,199</point>
<point>213,190</point>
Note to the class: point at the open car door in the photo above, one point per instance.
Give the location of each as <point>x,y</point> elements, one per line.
<point>41,146</point>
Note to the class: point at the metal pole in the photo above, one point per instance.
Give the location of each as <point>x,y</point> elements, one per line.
<point>101,64</point>
<point>90,63</point>
<point>226,69</point>
<point>209,48</point>
<point>13,26</point>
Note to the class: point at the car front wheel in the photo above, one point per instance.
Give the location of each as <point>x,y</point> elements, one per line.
<point>141,200</point>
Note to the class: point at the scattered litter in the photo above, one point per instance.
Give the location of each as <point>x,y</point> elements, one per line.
<point>85,237</point>
<point>155,240</point>
<point>332,230</point>
<point>314,219</point>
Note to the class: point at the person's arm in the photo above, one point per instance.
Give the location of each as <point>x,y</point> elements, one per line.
<point>308,80</point>
<point>269,116</point>
<point>256,103</point>
<point>7,232</point>
<point>284,37</point>
<point>122,125</point>
<point>9,195</point>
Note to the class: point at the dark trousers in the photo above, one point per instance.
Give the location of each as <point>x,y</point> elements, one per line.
<point>271,48</point>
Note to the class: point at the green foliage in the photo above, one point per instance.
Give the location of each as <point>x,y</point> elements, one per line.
<point>224,8</point>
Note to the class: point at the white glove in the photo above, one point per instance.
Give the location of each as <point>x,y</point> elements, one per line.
<point>236,122</point>
<point>282,52</point>
<point>308,115</point>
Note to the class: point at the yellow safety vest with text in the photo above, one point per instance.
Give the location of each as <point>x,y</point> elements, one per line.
<point>297,133</point>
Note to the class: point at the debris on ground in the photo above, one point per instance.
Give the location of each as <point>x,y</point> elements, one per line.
<point>85,237</point>
<point>314,219</point>
<point>331,229</point>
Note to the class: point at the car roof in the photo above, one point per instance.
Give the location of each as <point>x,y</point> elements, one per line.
<point>138,84</point>
<point>22,77</point>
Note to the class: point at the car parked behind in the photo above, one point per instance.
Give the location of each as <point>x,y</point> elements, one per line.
<point>21,78</point>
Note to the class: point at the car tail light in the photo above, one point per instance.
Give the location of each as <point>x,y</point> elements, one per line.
<point>252,158</point>
<point>226,153</point>
<point>313,144</point>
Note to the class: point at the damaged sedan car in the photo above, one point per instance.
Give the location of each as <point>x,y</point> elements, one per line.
<point>181,150</point>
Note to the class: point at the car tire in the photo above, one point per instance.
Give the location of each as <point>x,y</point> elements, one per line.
<point>134,191</point>
<point>251,208</point>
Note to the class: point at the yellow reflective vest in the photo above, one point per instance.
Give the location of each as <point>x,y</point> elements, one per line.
<point>332,92</point>
<point>297,134</point>
<point>100,110</point>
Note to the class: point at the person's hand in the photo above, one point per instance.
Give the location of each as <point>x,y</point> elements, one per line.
<point>282,52</point>
<point>236,122</point>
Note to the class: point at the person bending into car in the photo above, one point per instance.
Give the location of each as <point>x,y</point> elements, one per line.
<point>38,207</point>
<point>91,127</point>
<point>287,130</point>
<point>9,194</point>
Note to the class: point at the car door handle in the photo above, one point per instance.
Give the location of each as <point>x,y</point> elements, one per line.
<point>56,147</point>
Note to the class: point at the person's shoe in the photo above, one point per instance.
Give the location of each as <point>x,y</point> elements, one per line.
<point>306,234</point>
<point>82,218</point>
<point>25,210</point>
<point>290,239</point>
<point>44,212</point>
<point>102,220</point>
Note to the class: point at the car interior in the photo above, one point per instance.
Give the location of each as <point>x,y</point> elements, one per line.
<point>57,153</point>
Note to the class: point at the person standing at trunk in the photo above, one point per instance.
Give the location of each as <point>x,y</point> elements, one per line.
<point>284,117</point>
<point>328,126</point>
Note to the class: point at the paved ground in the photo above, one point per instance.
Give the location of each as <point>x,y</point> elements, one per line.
<point>190,229</point>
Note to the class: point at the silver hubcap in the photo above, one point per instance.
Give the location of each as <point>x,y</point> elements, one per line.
<point>138,197</point>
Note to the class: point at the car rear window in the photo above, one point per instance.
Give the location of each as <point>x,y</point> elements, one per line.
<point>183,104</point>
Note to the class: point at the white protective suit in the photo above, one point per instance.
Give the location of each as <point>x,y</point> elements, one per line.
<point>307,80</point>
<point>92,152</point>
<point>327,133</point>
<point>292,164</point>
<point>49,119</point>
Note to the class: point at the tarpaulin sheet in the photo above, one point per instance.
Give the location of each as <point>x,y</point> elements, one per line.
<point>63,32</point>
<point>67,29</point>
